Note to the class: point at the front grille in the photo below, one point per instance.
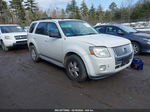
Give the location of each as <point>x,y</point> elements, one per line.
<point>20,42</point>
<point>123,60</point>
<point>19,37</point>
<point>122,50</point>
<point>123,55</point>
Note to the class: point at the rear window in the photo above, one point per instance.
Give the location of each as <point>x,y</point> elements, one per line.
<point>32,27</point>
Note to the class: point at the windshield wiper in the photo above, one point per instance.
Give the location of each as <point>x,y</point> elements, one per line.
<point>82,34</point>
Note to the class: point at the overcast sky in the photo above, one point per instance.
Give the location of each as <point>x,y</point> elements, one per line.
<point>45,4</point>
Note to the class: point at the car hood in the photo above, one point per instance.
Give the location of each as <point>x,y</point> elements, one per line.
<point>143,35</point>
<point>14,34</point>
<point>103,40</point>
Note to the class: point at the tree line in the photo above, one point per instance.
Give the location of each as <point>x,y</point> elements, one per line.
<point>20,12</point>
<point>25,11</point>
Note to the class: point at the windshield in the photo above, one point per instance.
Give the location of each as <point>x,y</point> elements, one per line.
<point>11,29</point>
<point>76,28</point>
<point>128,29</point>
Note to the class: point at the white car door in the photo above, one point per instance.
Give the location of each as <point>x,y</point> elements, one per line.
<point>50,47</point>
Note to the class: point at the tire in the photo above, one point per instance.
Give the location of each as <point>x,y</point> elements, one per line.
<point>136,48</point>
<point>4,48</point>
<point>75,68</point>
<point>34,54</point>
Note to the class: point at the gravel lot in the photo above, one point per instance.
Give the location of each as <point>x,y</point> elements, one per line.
<point>25,84</point>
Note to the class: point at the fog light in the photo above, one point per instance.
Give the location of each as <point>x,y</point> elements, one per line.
<point>102,67</point>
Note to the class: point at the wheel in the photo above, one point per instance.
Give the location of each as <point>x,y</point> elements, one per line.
<point>34,54</point>
<point>75,68</point>
<point>136,48</point>
<point>3,46</point>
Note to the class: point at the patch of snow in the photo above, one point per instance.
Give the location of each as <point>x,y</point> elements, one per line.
<point>145,29</point>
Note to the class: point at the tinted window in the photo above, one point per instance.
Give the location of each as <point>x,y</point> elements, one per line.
<point>100,29</point>
<point>111,30</point>
<point>32,28</point>
<point>42,28</point>
<point>45,27</point>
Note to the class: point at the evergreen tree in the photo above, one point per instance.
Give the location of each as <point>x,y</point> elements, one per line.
<point>117,15</point>
<point>84,10</point>
<point>78,12</point>
<point>107,16</point>
<point>99,13</point>
<point>72,10</point>
<point>5,15</point>
<point>141,10</point>
<point>63,13</point>
<point>92,15</point>
<point>18,9</point>
<point>113,6</point>
<point>3,7</point>
<point>32,9</point>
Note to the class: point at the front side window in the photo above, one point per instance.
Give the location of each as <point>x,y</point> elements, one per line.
<point>32,28</point>
<point>11,29</point>
<point>76,28</point>
<point>111,30</point>
<point>44,28</point>
<point>52,27</point>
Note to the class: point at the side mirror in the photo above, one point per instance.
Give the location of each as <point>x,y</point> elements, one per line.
<point>54,34</point>
<point>120,32</point>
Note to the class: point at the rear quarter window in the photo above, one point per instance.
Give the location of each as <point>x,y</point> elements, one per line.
<point>32,27</point>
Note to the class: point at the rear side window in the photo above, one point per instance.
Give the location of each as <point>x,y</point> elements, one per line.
<point>32,27</point>
<point>42,28</point>
<point>100,29</point>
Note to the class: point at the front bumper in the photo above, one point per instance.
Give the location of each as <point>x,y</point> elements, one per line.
<point>20,43</point>
<point>111,66</point>
<point>13,43</point>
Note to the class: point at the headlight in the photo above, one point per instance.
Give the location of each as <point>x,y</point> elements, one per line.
<point>7,37</point>
<point>101,52</point>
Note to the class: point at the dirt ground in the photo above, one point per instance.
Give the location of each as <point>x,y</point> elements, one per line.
<point>25,84</point>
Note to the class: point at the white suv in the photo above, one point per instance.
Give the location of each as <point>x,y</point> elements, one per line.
<point>76,46</point>
<point>12,35</point>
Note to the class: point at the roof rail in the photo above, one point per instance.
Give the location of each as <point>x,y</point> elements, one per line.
<point>52,18</point>
<point>44,18</point>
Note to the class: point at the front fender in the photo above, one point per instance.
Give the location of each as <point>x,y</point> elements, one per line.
<point>83,54</point>
<point>32,41</point>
